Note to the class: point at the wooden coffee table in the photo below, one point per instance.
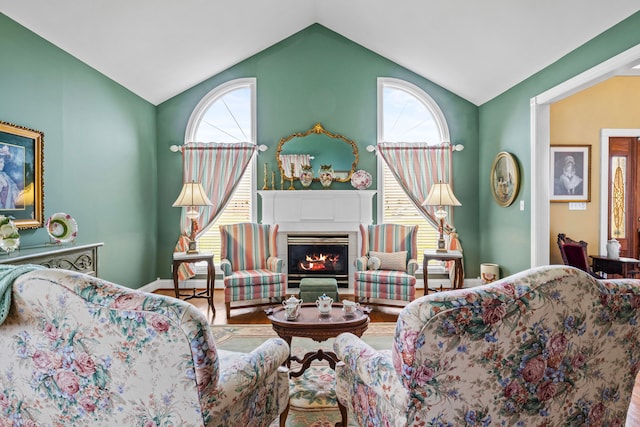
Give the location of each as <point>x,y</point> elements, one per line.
<point>319,327</point>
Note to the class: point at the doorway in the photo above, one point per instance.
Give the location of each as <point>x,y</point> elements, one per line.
<point>540,143</point>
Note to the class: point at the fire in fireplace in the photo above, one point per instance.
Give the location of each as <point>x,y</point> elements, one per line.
<point>317,256</point>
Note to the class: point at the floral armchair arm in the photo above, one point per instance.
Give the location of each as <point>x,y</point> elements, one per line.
<point>361,263</point>
<point>225,266</point>
<point>275,264</point>
<point>248,371</point>
<point>373,368</point>
<point>412,266</point>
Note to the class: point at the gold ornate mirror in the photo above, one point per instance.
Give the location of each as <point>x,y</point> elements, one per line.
<point>323,148</point>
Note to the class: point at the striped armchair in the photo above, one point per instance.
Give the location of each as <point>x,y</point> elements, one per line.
<point>387,265</point>
<point>249,264</point>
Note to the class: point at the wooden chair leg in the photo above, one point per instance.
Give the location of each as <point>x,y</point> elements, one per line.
<point>228,308</point>
<point>283,416</point>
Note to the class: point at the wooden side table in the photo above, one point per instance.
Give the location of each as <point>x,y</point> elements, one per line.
<point>182,257</point>
<point>456,256</point>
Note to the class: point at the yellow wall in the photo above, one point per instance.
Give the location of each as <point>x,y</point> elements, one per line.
<point>577,120</point>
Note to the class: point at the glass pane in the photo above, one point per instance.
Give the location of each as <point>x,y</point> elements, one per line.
<point>407,119</point>
<point>228,119</point>
<point>618,193</point>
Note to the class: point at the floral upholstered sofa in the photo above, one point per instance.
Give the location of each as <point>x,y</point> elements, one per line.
<point>550,346</point>
<point>79,351</point>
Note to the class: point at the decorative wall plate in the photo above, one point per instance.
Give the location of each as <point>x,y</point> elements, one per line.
<point>62,228</point>
<point>361,179</point>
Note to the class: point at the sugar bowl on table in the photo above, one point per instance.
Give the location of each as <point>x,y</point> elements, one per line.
<point>324,304</point>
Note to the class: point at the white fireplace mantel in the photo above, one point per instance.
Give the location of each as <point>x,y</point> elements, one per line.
<point>317,210</point>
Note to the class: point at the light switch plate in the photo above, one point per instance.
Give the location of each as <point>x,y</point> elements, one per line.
<point>577,206</point>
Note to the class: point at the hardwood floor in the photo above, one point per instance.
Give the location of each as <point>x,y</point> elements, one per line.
<point>257,314</point>
<point>379,314</point>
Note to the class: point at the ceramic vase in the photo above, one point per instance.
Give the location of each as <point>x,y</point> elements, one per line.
<point>306,176</point>
<point>325,175</point>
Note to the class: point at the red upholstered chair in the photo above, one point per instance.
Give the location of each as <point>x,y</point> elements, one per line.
<point>574,253</point>
<point>251,268</point>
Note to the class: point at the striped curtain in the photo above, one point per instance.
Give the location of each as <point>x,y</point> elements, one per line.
<point>219,167</point>
<point>416,167</point>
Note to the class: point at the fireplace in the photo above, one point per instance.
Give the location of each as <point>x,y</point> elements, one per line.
<point>318,256</point>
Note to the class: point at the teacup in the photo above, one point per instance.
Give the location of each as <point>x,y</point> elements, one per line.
<point>291,311</point>
<point>349,307</point>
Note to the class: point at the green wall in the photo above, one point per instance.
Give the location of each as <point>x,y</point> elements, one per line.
<point>505,234</point>
<point>99,151</point>
<point>314,76</point>
<point>107,158</point>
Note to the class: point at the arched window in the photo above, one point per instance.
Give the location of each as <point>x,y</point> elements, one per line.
<point>406,114</point>
<point>227,115</point>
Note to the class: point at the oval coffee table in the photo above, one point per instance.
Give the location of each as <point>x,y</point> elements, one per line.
<point>319,327</point>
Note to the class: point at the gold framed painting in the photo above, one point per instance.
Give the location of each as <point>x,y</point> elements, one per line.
<point>570,168</point>
<point>505,179</point>
<point>21,175</point>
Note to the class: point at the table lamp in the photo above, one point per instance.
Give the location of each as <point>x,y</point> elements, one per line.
<point>192,196</point>
<point>441,195</point>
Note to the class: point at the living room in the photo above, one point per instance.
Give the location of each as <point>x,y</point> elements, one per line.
<point>109,146</point>
<point>108,162</point>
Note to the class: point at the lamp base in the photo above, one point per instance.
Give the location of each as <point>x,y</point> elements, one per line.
<point>192,247</point>
<point>442,246</point>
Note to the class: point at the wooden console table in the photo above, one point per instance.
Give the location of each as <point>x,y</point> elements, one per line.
<point>82,258</point>
<point>625,267</point>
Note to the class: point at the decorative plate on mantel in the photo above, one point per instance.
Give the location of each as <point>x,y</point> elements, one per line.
<point>62,228</point>
<point>361,180</point>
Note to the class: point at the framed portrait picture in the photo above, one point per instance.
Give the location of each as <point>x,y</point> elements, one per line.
<point>570,168</point>
<point>505,179</point>
<point>21,185</point>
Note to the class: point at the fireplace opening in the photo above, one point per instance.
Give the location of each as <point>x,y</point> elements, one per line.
<point>318,256</point>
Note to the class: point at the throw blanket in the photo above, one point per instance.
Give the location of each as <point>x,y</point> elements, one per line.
<point>9,273</point>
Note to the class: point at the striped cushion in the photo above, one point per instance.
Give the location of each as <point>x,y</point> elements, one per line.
<point>257,284</point>
<point>385,284</point>
<point>248,245</point>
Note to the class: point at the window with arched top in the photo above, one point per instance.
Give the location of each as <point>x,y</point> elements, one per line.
<point>227,114</point>
<point>406,114</point>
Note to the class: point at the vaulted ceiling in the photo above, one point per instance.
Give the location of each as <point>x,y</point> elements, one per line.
<point>476,49</point>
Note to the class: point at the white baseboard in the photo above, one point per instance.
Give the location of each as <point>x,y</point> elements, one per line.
<point>201,283</point>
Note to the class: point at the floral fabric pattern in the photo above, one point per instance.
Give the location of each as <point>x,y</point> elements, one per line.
<point>546,347</point>
<point>77,350</point>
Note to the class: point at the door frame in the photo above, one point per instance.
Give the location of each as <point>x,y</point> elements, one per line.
<point>605,134</point>
<point>540,143</point>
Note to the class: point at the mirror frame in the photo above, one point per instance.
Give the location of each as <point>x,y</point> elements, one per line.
<point>318,129</point>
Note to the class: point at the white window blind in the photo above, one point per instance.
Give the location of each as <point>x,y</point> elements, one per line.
<point>398,209</point>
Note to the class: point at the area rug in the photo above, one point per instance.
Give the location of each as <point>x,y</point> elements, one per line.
<point>312,396</point>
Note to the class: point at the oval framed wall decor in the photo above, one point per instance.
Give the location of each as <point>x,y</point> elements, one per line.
<point>505,178</point>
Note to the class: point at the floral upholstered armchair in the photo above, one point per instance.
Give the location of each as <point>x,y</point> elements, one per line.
<point>387,264</point>
<point>549,346</point>
<point>251,268</point>
<point>79,351</point>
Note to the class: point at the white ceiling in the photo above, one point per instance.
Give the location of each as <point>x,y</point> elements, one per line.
<point>476,49</point>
